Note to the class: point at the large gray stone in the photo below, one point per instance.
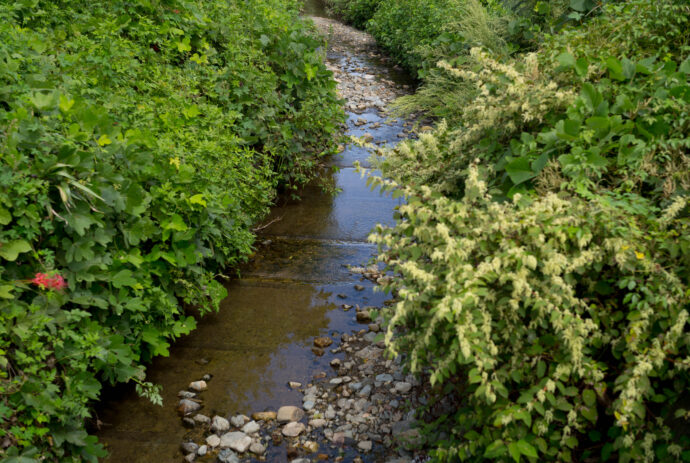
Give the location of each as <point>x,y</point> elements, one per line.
<point>289,413</point>
<point>236,440</point>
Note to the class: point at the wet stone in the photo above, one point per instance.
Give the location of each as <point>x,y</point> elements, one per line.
<point>219,424</point>
<point>202,419</point>
<point>186,407</point>
<point>189,447</point>
<point>264,416</point>
<point>239,420</point>
<point>213,441</point>
<point>323,342</point>
<point>251,428</point>
<point>293,429</point>
<point>198,386</point>
<point>236,440</point>
<point>289,413</point>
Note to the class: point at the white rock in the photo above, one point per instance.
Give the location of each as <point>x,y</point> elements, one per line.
<point>365,445</point>
<point>203,450</point>
<point>257,449</point>
<point>213,441</point>
<point>237,441</point>
<point>403,387</point>
<point>239,420</point>
<point>219,424</point>
<point>251,428</point>
<point>293,429</point>
<point>198,386</point>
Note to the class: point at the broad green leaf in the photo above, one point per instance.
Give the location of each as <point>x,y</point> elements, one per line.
<point>566,59</point>
<point>198,199</point>
<point>526,449</point>
<point>6,292</point>
<point>514,451</point>
<point>495,449</point>
<point>103,140</point>
<point>5,216</point>
<point>685,66</point>
<point>629,68</point>
<point>124,278</point>
<point>589,397</point>
<point>10,250</point>
<point>582,5</point>
<point>615,68</point>
<point>520,170</point>
<point>175,222</point>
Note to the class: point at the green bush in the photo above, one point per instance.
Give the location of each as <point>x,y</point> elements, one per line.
<point>355,12</point>
<point>139,143</point>
<point>544,277</point>
<point>558,325</point>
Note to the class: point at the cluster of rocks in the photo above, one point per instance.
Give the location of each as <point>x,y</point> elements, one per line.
<point>365,405</point>
<point>356,84</point>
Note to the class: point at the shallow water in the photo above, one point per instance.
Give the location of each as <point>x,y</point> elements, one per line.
<point>288,294</point>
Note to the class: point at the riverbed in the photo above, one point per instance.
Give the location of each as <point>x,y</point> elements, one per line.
<point>291,292</point>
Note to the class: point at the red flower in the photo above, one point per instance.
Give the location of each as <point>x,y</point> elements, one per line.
<point>176,11</point>
<point>45,281</point>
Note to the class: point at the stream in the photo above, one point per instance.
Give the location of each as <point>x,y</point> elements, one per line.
<point>289,293</point>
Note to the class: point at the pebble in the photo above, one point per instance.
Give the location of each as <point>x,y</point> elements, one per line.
<point>384,378</point>
<point>310,446</point>
<point>219,424</point>
<point>317,423</point>
<point>257,448</point>
<point>403,387</point>
<point>202,450</point>
<point>365,445</point>
<point>213,441</point>
<point>189,447</point>
<point>186,407</point>
<point>294,385</point>
<point>289,413</point>
<point>293,429</point>
<point>198,386</point>
<point>363,316</point>
<point>323,342</point>
<point>236,440</point>
<point>251,428</point>
<point>264,416</point>
<point>201,419</point>
<point>239,420</point>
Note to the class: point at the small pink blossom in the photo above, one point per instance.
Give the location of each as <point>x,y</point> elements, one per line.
<point>45,281</point>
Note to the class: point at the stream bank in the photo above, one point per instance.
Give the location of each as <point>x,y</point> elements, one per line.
<point>294,330</point>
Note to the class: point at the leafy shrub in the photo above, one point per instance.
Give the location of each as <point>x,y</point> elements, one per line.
<point>559,324</point>
<point>543,252</point>
<point>138,145</point>
<point>355,12</point>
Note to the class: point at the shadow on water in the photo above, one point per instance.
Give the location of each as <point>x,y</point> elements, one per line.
<point>289,293</point>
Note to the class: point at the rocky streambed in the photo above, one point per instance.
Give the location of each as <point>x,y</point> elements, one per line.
<point>362,408</point>
<point>293,367</point>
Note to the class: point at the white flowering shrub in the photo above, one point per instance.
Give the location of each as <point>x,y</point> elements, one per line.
<point>508,98</point>
<point>559,324</point>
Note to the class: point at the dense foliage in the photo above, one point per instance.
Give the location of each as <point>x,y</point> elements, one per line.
<point>139,142</point>
<point>544,251</point>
